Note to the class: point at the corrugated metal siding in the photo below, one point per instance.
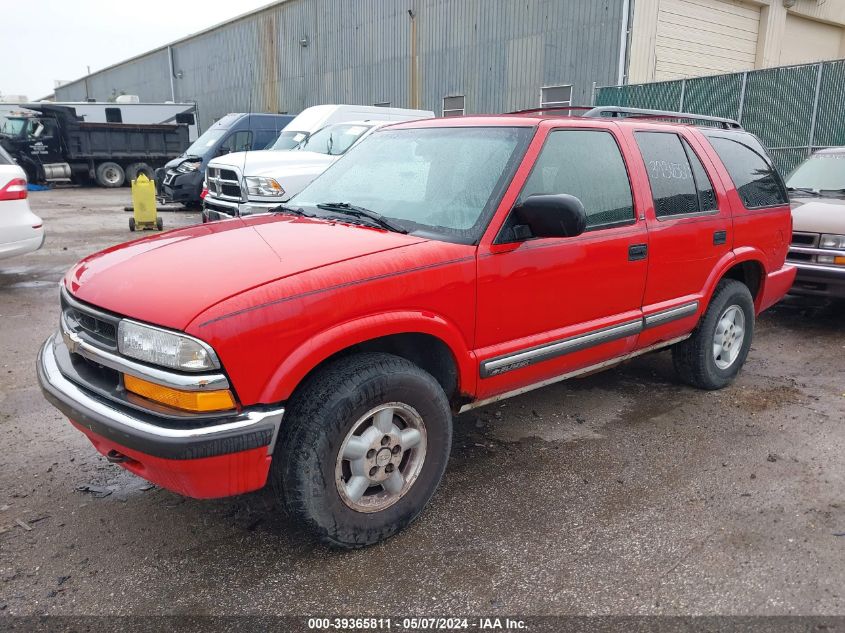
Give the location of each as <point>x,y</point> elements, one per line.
<point>497,53</point>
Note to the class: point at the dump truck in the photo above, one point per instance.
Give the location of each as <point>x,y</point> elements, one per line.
<point>53,143</point>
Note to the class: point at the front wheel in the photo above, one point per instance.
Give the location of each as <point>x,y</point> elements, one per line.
<point>712,357</point>
<point>363,446</point>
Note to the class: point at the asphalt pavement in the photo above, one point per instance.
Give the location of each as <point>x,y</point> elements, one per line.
<point>621,493</point>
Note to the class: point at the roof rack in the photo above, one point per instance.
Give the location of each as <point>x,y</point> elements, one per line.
<point>552,109</point>
<point>621,111</point>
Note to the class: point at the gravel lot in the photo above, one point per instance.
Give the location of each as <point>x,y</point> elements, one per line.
<point>620,493</point>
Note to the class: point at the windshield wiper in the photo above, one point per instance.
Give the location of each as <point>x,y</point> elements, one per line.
<point>812,192</point>
<point>362,212</point>
<point>283,208</point>
<point>833,191</point>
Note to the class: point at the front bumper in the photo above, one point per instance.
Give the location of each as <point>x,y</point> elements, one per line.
<point>819,280</point>
<point>181,187</point>
<point>218,209</point>
<point>229,456</point>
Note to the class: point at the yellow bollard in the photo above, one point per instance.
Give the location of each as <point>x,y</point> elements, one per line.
<point>144,212</point>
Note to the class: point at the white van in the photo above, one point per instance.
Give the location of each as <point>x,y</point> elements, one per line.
<point>244,183</point>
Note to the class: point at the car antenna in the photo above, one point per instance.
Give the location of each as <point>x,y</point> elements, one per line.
<point>249,135</point>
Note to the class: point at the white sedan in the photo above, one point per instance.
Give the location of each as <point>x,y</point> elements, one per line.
<point>21,231</point>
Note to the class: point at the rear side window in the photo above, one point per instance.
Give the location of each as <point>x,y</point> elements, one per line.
<point>586,164</point>
<point>751,171</point>
<point>679,183</point>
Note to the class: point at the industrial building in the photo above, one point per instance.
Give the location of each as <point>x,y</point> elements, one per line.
<point>463,56</point>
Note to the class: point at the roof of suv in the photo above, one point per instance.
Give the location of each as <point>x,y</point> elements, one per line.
<point>607,114</point>
<point>830,150</point>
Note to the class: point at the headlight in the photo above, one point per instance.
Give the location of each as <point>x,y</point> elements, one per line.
<point>188,166</point>
<point>160,347</point>
<point>261,186</point>
<point>832,241</point>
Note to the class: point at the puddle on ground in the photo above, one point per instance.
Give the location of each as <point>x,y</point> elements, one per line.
<point>37,283</point>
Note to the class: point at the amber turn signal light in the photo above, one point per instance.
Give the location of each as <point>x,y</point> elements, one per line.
<point>216,400</point>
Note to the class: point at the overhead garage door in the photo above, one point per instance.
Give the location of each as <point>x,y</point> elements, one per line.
<point>704,37</point>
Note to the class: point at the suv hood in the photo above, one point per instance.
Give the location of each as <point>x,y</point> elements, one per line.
<point>818,215</point>
<point>169,279</point>
<point>275,162</point>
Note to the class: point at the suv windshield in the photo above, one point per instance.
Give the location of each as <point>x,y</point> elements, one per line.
<point>334,139</point>
<point>820,172</point>
<point>440,182</point>
<point>289,139</point>
<point>204,143</point>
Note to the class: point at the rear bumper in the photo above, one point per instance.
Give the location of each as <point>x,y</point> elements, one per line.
<point>819,280</point>
<point>229,457</point>
<point>775,286</point>
<point>28,245</point>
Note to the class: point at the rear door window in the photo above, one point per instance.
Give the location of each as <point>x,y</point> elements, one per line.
<point>586,164</point>
<point>755,178</point>
<point>678,180</point>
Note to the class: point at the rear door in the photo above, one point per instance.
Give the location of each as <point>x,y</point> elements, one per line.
<point>689,224</point>
<point>549,306</point>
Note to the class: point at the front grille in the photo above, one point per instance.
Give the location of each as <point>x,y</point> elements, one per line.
<point>799,257</point>
<point>91,325</point>
<point>805,239</point>
<point>223,183</point>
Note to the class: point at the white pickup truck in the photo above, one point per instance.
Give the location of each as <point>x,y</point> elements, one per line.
<point>245,183</point>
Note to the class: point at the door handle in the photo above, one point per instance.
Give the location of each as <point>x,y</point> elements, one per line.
<point>720,237</point>
<point>637,252</point>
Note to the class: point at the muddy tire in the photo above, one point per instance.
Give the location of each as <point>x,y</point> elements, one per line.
<point>136,169</point>
<point>712,357</point>
<point>362,448</point>
<point>110,175</point>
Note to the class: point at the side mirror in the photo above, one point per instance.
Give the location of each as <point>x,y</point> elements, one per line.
<point>549,215</point>
<point>223,150</point>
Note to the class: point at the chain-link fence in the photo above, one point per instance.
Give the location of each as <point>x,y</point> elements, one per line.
<point>793,109</point>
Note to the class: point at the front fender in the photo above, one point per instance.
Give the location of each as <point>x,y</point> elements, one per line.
<point>321,346</point>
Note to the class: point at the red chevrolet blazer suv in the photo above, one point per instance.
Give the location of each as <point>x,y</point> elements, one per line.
<point>440,265</point>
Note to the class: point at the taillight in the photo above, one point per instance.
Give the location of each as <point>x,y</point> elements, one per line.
<point>14,190</point>
<point>203,193</point>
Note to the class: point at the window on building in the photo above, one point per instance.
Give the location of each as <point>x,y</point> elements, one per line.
<point>586,164</point>
<point>382,104</point>
<point>750,169</point>
<point>453,106</point>
<point>114,115</point>
<point>679,183</point>
<point>555,96</point>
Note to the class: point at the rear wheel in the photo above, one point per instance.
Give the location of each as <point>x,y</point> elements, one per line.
<point>712,357</point>
<point>110,175</point>
<point>363,447</point>
<point>136,169</point>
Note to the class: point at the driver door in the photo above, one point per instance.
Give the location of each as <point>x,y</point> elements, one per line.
<point>550,306</point>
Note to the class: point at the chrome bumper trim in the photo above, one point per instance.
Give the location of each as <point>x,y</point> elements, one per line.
<point>184,382</point>
<point>83,405</point>
<point>820,267</point>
